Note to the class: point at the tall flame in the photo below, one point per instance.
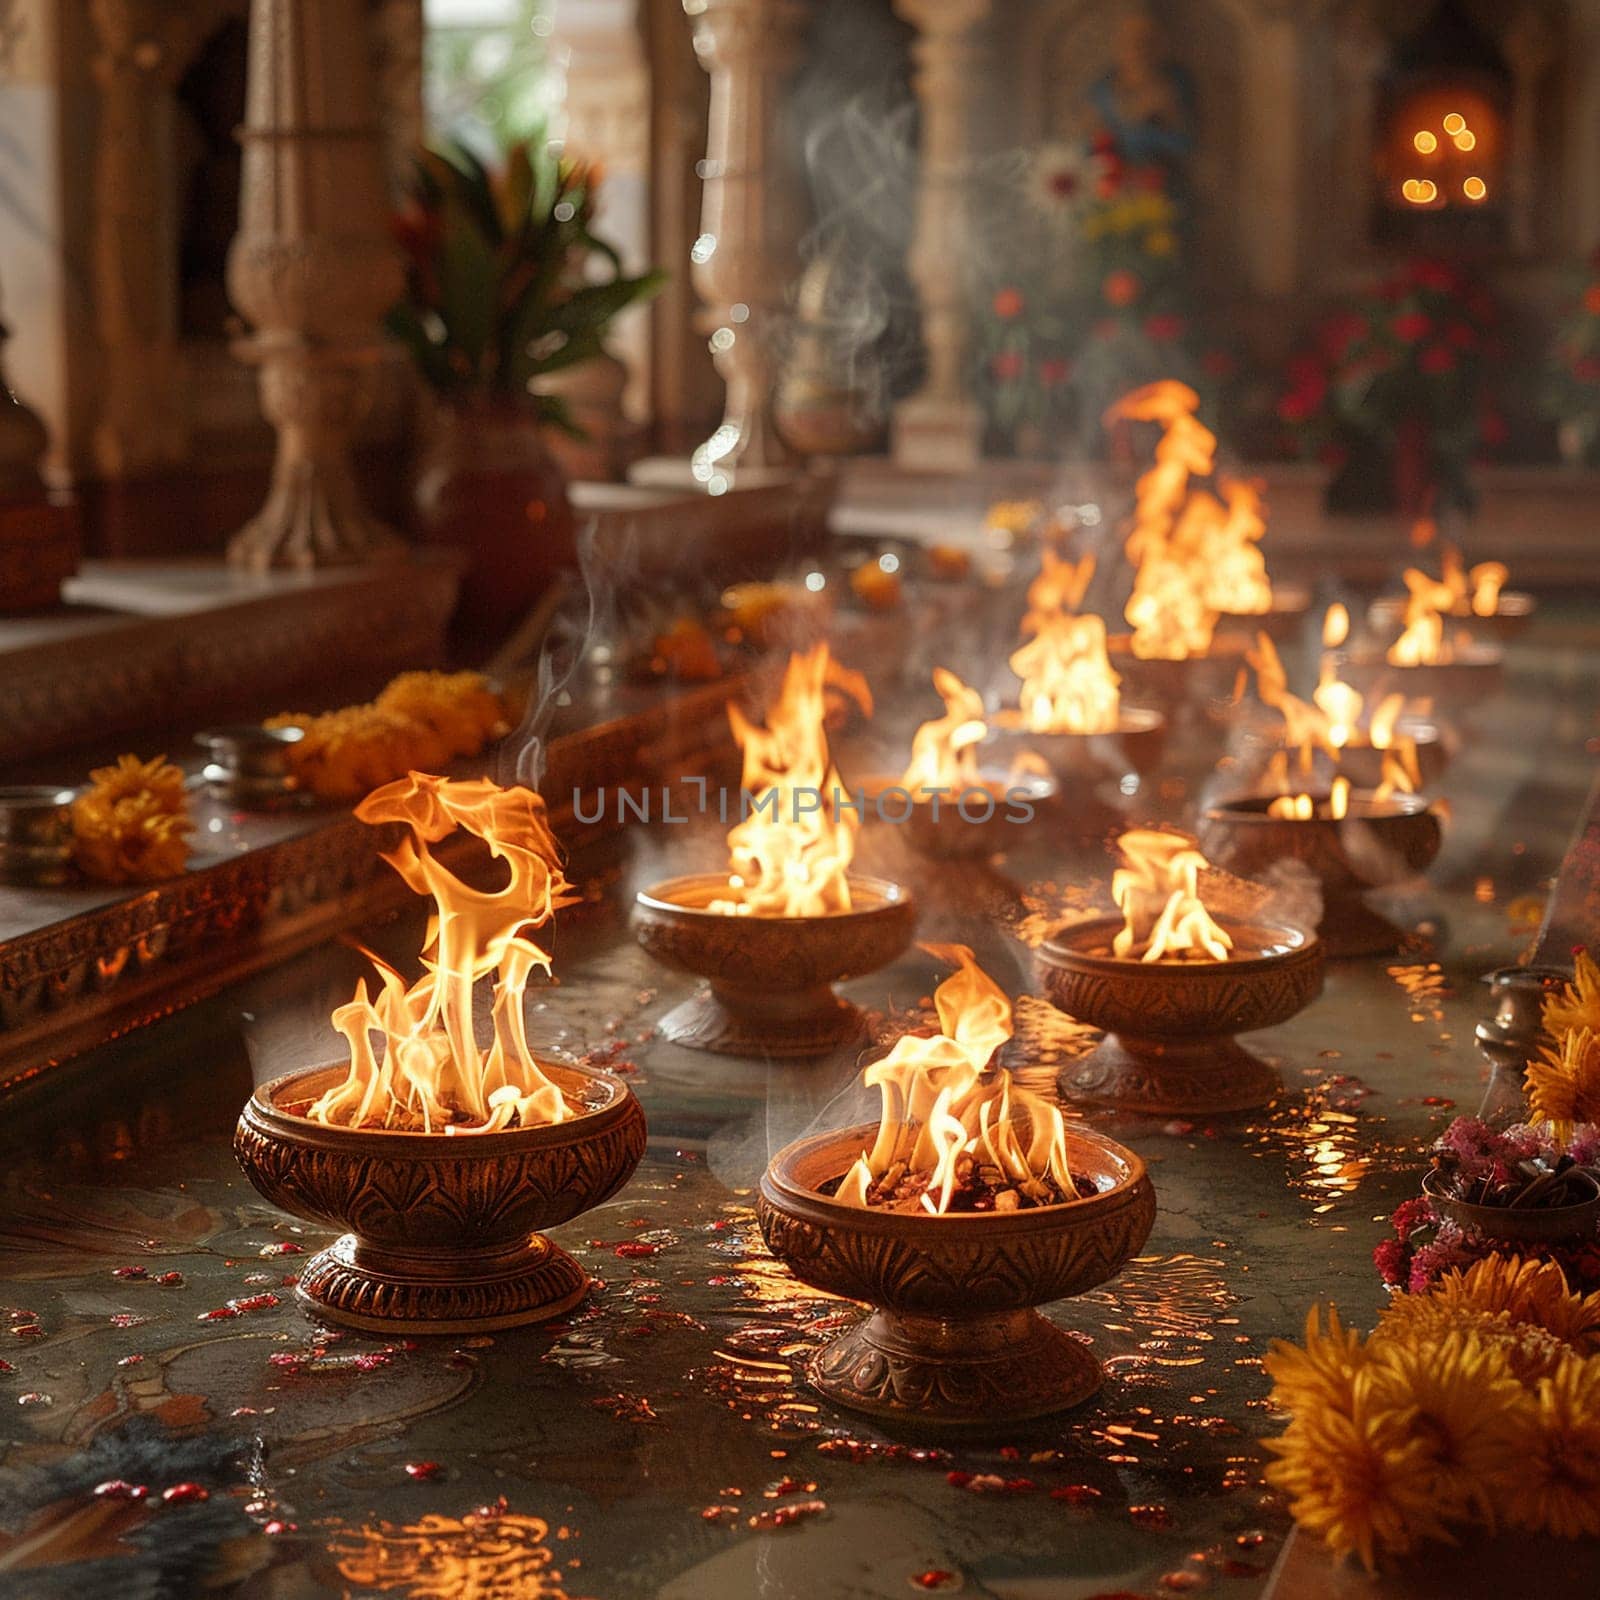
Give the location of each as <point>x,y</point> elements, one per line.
<point>943,1107</point>
<point>944,751</point>
<point>433,1075</point>
<point>1158,893</point>
<point>790,856</point>
<point>1422,643</point>
<point>1068,685</point>
<point>1194,555</point>
<point>1488,579</point>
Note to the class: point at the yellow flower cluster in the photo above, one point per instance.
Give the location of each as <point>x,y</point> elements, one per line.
<point>1578,1004</point>
<point>132,824</point>
<point>1476,1403</point>
<point>1563,1083</point>
<point>1015,517</point>
<point>1154,214</point>
<point>421,722</point>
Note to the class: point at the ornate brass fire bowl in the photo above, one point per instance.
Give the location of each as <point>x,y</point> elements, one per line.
<point>953,1340</point>
<point>444,1229</point>
<point>1290,603</point>
<point>1076,759</point>
<point>1386,616</point>
<point>1169,1045</point>
<point>1473,673</point>
<point>771,977</point>
<point>979,821</point>
<point>1379,843</point>
<point>1175,687</point>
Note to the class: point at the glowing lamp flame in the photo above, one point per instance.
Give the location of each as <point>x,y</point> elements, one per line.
<point>1195,555</point>
<point>1335,626</point>
<point>1157,891</point>
<point>1488,579</point>
<point>944,751</point>
<point>1421,642</point>
<point>432,1074</point>
<point>790,856</point>
<point>943,1105</point>
<point>1302,808</point>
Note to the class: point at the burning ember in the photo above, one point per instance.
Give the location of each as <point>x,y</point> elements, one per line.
<point>790,854</point>
<point>1157,891</point>
<point>944,751</point>
<point>1068,685</point>
<point>432,1075</point>
<point>955,1135</point>
<point>1195,555</point>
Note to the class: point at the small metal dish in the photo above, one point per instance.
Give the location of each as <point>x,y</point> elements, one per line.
<point>35,834</point>
<point>249,765</point>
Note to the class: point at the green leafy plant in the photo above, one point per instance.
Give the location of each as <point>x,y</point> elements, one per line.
<point>506,283</point>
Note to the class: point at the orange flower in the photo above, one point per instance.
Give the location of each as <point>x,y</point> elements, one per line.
<point>1121,288</point>
<point>1008,304</point>
<point>1591,299</point>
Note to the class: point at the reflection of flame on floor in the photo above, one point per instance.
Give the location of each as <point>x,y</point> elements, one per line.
<point>1426,986</point>
<point>484,1554</point>
<point>1330,1148</point>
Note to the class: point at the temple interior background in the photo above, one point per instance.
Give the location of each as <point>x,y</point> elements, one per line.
<point>482,481</point>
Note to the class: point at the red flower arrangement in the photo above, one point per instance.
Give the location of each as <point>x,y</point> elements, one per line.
<point>1407,367</point>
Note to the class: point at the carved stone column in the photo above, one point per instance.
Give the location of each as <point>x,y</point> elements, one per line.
<point>1530,47</point>
<point>739,268</point>
<point>938,428</point>
<point>142,47</point>
<point>313,271</point>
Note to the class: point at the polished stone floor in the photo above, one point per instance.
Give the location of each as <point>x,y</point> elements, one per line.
<point>658,1441</point>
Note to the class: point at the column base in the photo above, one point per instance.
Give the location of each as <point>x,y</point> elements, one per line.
<point>934,435</point>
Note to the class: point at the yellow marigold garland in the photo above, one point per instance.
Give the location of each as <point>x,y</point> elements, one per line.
<point>132,824</point>
<point>1474,1404</point>
<point>421,722</point>
<point>1564,1084</point>
<point>1578,1004</point>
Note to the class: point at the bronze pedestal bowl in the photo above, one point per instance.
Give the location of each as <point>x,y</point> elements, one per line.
<point>1180,688</point>
<point>1386,616</point>
<point>1281,620</point>
<point>982,819</point>
<point>953,1339</point>
<point>1473,672</point>
<point>1377,844</point>
<point>1362,764</point>
<point>1078,759</point>
<point>1169,1025</point>
<point>771,977</point>
<point>444,1228</point>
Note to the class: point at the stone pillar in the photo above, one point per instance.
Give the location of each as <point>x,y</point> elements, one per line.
<point>140,424</point>
<point>313,271</point>
<point>1530,47</point>
<point>938,429</point>
<point>740,267</point>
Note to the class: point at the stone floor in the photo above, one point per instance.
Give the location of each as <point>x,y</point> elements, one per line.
<point>658,1442</point>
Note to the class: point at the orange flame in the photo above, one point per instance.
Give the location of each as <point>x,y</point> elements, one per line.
<point>1068,685</point>
<point>1302,808</point>
<point>942,1103</point>
<point>1422,642</point>
<point>1157,891</point>
<point>790,855</point>
<point>944,751</point>
<point>433,1075</point>
<point>1488,579</point>
<point>1195,555</point>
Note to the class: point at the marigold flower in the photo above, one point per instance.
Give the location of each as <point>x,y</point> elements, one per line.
<point>1556,1485</point>
<point>132,824</point>
<point>1578,1003</point>
<point>1564,1085</point>
<point>1322,1372</point>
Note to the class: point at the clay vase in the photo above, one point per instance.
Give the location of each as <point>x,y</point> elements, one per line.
<point>489,486</point>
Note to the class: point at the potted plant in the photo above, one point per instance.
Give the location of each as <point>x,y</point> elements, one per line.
<point>1396,390</point>
<point>506,286</point>
<point>1571,392</point>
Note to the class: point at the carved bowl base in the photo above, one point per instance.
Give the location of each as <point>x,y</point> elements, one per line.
<point>972,1373</point>
<point>809,1022</point>
<point>387,1292</point>
<point>1162,1077</point>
